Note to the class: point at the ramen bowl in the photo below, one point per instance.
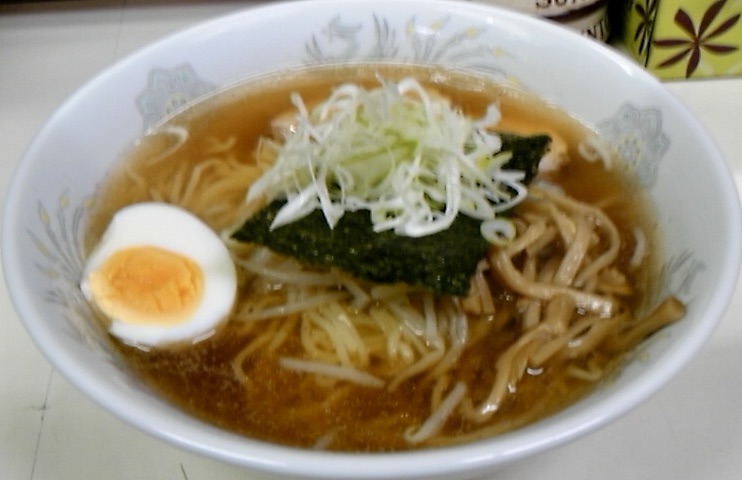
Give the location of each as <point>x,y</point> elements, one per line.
<point>55,184</point>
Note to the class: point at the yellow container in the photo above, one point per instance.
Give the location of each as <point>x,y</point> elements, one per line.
<point>685,39</point>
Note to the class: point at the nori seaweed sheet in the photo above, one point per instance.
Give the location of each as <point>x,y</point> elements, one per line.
<point>443,262</point>
<point>527,152</point>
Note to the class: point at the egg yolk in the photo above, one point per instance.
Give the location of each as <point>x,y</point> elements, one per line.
<point>147,285</point>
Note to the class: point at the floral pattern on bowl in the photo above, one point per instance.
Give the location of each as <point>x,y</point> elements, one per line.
<point>638,137</point>
<point>61,259</point>
<point>169,91</point>
<point>432,42</point>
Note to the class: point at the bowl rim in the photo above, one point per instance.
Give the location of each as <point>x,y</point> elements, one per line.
<point>465,459</point>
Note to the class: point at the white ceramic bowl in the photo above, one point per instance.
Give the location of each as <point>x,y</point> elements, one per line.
<point>678,164</point>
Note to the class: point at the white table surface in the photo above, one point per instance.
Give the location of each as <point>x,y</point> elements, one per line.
<point>692,429</point>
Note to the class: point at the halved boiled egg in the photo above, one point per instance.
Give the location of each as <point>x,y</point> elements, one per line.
<point>160,275</point>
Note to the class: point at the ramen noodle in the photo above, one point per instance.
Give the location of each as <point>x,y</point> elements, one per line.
<point>313,356</point>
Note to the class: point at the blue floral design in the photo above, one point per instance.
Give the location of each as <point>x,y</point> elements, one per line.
<point>637,135</point>
<point>679,273</point>
<point>61,260</point>
<point>433,42</point>
<point>169,91</point>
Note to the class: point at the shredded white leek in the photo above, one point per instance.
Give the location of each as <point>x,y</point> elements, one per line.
<point>407,156</point>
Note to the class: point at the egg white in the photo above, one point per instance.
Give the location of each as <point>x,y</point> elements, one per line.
<point>178,231</point>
